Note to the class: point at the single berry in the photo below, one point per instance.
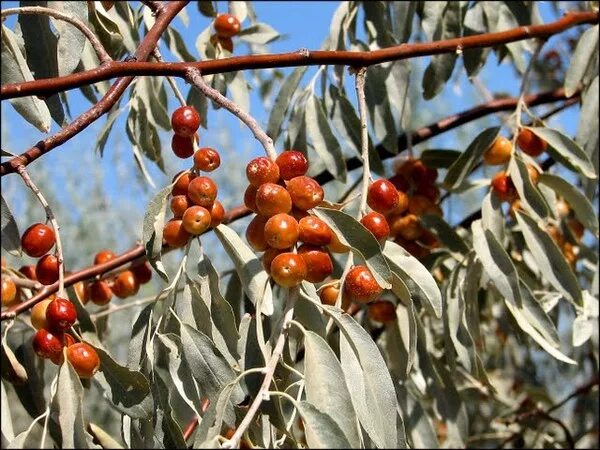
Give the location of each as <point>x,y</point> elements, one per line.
<point>250,198</point>
<point>255,233</point>
<point>67,341</point>
<point>29,272</point>
<point>381,311</point>
<point>84,359</point>
<point>38,314</point>
<point>291,164</point>
<point>142,272</point>
<point>46,270</point>
<point>196,220</point>
<point>269,255</point>
<point>179,204</point>
<point>335,246</point>
<point>104,256</point>
<point>318,262</point>
<point>206,159</point>
<point>402,207</point>
<point>47,345</point>
<point>314,231</point>
<point>125,284</point>
<point>181,185</point>
<point>306,192</point>
<point>185,121</point>
<point>329,294</point>
<point>217,213</point>
<point>37,240</point>
<point>226,25</point>
<point>183,146</point>
<point>382,196</point>
<point>498,152</point>
<point>262,170</point>
<point>82,291</point>
<point>61,314</point>
<point>100,292</point>
<point>9,291</point>
<point>288,269</point>
<point>420,173</point>
<point>430,191</point>
<point>202,191</point>
<point>503,187</point>
<point>281,231</point>
<point>377,224</point>
<point>531,143</point>
<point>418,205</point>
<point>534,174</point>
<point>226,43</point>
<point>174,233</point>
<point>361,286</point>
<point>273,199</point>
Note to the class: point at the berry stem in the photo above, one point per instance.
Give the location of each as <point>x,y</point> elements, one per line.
<point>156,54</point>
<point>195,78</point>
<point>50,215</point>
<point>364,138</point>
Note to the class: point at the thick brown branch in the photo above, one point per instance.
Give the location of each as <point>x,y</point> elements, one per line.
<point>144,50</point>
<point>48,87</point>
<point>420,135</point>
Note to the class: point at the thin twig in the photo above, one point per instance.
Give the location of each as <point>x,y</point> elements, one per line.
<point>195,78</point>
<point>50,215</point>
<point>364,138</point>
<point>103,55</point>
<point>156,54</point>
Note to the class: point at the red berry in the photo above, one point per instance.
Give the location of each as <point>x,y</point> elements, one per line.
<point>46,270</point>
<point>382,196</point>
<point>503,187</point>
<point>255,233</point>
<point>202,191</point>
<point>217,213</point>
<point>381,311</point>
<point>318,262</point>
<point>250,198</point>
<point>361,286</point>
<point>104,256</point>
<point>291,164</point>
<point>273,199</point>
<point>269,255</point>
<point>179,204</point>
<point>377,224</point>
<point>226,25</point>
<point>206,159</point>
<point>281,231</point>
<point>499,152</point>
<point>196,220</point>
<point>61,314</point>
<point>125,284</point>
<point>288,269</point>
<point>306,193</point>
<point>84,359</point>
<point>314,231</point>
<point>185,121</point>
<point>9,291</point>
<point>47,345</point>
<point>29,272</point>
<point>37,240</point>
<point>181,185</point>
<point>183,146</point>
<point>100,292</point>
<point>142,272</point>
<point>174,233</point>
<point>531,143</point>
<point>38,314</point>
<point>262,170</point>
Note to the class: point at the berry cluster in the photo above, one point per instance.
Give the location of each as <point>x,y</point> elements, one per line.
<point>226,26</point>
<point>193,198</point>
<point>52,318</point>
<point>281,195</point>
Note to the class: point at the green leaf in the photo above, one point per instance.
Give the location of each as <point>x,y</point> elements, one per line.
<point>152,232</point>
<point>238,88</point>
<point>11,238</point>
<point>583,209</point>
<point>323,139</point>
<point>418,279</point>
<point>404,13</point>
<point>445,233</point>
<point>108,32</point>
<point>417,422</point>
<point>207,8</point>
<point>462,167</point>
<point>259,33</point>
<point>199,101</point>
<point>353,234</point>
<point>379,109</point>
<point>7,433</point>
<point>320,429</point>
<point>326,388</point>
<point>67,405</point>
<point>401,335</point>
<point>106,128</point>
<point>587,47</point>
<point>529,194</point>
<point>12,370</point>
<point>551,263</point>
<point>492,217</point>
<point>15,70</point>
<point>249,268</point>
<point>439,158</point>
<point>70,39</point>
<point>282,102</point>
<point>566,151</point>
<point>167,430</point>
<point>177,46</point>
<point>498,265</point>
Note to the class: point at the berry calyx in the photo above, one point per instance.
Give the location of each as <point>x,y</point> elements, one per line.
<point>38,314</point>
<point>125,284</point>
<point>314,231</point>
<point>382,196</point>
<point>207,159</point>
<point>37,240</point>
<point>84,359</point>
<point>288,269</point>
<point>100,292</point>
<point>226,25</point>
<point>281,231</point>
<point>306,192</point>
<point>9,291</point>
<point>262,170</point>
<point>530,143</point>
<point>185,121</point>
<point>46,270</point>
<point>196,220</point>
<point>46,344</point>
<point>273,199</point>
<point>360,285</point>
<point>174,233</point>
<point>318,262</point>
<point>183,146</point>
<point>377,224</point>
<point>61,314</point>
<point>202,191</point>
<point>291,164</point>
<point>499,152</point>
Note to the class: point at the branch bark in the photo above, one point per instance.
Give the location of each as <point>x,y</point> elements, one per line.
<point>303,57</point>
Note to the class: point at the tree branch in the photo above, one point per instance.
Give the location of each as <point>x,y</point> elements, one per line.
<point>303,57</point>
<point>103,55</point>
<point>105,104</point>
